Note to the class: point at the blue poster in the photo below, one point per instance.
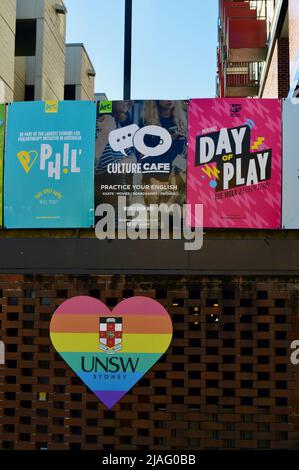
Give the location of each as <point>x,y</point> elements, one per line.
<point>49,165</point>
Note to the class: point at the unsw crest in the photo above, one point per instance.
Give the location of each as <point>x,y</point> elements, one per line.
<point>111,330</point>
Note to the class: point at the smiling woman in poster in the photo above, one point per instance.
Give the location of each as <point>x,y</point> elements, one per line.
<point>172,116</point>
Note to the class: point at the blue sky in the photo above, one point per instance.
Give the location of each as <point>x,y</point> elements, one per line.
<point>174,45</point>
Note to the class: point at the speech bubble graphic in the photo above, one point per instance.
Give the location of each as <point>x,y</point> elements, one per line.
<point>156,131</point>
<point>122,139</point>
<point>110,351</point>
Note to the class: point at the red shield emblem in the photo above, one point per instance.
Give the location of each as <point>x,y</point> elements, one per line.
<point>111,330</point>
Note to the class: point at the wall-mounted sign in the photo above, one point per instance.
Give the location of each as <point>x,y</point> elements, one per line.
<point>110,350</point>
<point>141,152</point>
<point>234,162</point>
<point>290,175</point>
<point>49,171</point>
<point>2,135</point>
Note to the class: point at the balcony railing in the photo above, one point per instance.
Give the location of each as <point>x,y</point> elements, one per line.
<point>243,74</point>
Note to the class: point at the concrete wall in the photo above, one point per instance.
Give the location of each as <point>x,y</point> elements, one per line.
<point>52,50</point>
<point>77,67</point>
<point>73,64</point>
<point>87,82</point>
<point>50,46</point>
<point>20,78</point>
<point>294,36</point>
<point>271,86</point>
<point>7,41</point>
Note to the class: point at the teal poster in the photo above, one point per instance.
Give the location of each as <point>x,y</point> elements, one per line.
<point>49,165</point>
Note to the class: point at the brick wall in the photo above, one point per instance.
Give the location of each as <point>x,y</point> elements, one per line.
<point>225,382</point>
<point>283,67</point>
<point>271,85</point>
<point>293,35</point>
<point>7,41</point>
<point>278,79</point>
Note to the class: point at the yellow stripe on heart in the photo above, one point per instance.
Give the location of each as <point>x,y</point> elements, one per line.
<point>131,343</point>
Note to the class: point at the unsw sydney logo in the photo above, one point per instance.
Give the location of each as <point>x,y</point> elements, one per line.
<point>111,351</point>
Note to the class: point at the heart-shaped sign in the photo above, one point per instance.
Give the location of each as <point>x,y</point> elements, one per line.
<point>110,351</point>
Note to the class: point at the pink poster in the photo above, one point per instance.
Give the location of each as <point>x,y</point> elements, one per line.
<point>234,162</point>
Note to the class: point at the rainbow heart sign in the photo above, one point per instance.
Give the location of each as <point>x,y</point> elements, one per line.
<point>110,351</point>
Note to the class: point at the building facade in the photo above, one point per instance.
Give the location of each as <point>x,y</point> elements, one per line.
<point>7,39</point>
<point>258,48</point>
<point>37,64</point>
<point>79,74</point>
<point>226,382</point>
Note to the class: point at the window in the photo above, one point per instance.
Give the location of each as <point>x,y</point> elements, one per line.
<point>282,418</point>
<point>262,294</point>
<point>246,435</point>
<point>246,383</point>
<point>229,327</point>
<point>263,327</point>
<point>75,430</point>
<point>262,343</point>
<point>246,334</point>
<point>263,444</point>
<point>228,310</point>
<point>213,434</point>
<point>246,303</point>
<point>69,92</point>
<point>212,400</point>
<point>212,383</point>
<point>25,38</point>
<point>246,351</point>
<point>228,294</point>
<point>229,343</point>
<point>25,437</point>
<point>212,367</point>
<point>162,294</point>
<point>228,392</point>
<point>280,334</point>
<point>178,302</point>
<point>281,401</point>
<point>281,352</point>
<point>212,351</point>
<point>90,439</point>
<point>194,374</point>
<point>263,392</point>
<point>228,359</point>
<point>212,334</point>
<point>280,367</point>
<point>212,302</point>
<point>280,319</point>
<point>230,426</point>
<point>281,384</point>
<point>263,359</point>
<point>246,401</point>
<point>227,375</point>
<point>263,376</point>
<point>247,418</point>
<point>264,427</point>
<point>230,444</point>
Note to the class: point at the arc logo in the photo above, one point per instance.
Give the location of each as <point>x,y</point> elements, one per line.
<point>111,351</point>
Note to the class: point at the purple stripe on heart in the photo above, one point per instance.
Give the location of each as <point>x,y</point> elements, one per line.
<point>109,398</point>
